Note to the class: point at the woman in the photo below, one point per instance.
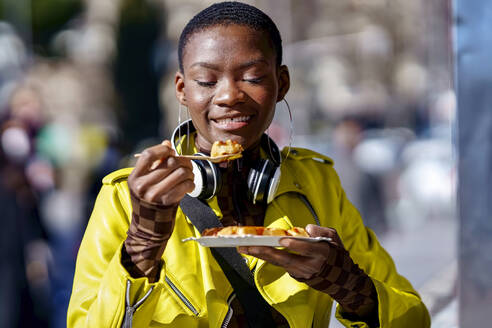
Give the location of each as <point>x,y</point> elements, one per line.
<point>133,268</point>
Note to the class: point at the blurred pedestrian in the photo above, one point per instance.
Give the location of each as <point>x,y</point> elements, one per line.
<point>24,254</point>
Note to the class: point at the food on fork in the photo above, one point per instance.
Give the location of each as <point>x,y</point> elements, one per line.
<point>226,148</point>
<point>254,231</point>
<point>221,151</point>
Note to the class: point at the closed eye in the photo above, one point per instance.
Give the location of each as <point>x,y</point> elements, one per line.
<point>254,81</point>
<point>207,84</point>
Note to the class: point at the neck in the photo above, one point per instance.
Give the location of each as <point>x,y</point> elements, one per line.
<point>202,144</point>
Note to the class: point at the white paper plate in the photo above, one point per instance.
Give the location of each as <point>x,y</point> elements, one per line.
<point>247,240</point>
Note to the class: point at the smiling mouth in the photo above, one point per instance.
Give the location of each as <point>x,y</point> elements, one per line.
<point>232,120</point>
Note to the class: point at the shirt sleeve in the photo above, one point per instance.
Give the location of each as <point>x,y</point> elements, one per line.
<point>399,305</point>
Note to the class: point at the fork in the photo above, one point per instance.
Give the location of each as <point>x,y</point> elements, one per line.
<point>214,159</point>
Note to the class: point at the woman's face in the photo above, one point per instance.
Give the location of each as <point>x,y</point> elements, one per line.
<point>230,84</point>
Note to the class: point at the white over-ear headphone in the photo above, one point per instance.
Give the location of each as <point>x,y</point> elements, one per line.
<point>263,177</point>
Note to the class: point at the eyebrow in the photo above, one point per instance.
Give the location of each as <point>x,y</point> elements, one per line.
<point>242,66</point>
<point>253,62</point>
<point>206,65</point>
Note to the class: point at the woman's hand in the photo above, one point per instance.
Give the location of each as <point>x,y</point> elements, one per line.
<point>325,266</point>
<point>167,183</point>
<point>305,259</point>
<point>155,192</point>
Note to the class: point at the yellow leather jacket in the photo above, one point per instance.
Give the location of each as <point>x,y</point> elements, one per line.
<point>193,291</point>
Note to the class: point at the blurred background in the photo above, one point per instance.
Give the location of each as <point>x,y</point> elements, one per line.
<point>86,84</point>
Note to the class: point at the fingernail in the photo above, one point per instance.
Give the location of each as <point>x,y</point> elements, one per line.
<point>284,242</point>
<point>310,227</point>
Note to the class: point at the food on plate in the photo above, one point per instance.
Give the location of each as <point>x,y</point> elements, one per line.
<point>298,232</point>
<point>225,148</point>
<point>254,231</point>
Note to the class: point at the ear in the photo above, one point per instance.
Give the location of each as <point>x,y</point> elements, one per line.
<point>283,82</point>
<point>179,87</point>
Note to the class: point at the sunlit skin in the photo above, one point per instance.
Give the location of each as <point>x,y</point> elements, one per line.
<point>229,72</point>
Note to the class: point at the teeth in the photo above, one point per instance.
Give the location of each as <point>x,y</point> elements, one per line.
<point>235,119</point>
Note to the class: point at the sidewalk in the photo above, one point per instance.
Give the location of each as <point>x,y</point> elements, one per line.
<point>448,317</point>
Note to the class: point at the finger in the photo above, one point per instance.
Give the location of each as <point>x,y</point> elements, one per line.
<point>168,184</point>
<point>170,198</point>
<point>171,188</point>
<point>309,249</point>
<point>149,156</point>
<point>296,265</point>
<point>182,161</point>
<point>140,185</point>
<point>172,163</point>
<point>167,143</point>
<point>178,193</point>
<point>155,164</point>
<point>273,255</point>
<point>318,231</point>
<point>176,177</point>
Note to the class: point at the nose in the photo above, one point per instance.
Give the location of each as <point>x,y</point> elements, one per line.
<point>228,94</point>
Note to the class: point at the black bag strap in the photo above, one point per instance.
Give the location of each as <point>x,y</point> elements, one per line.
<point>256,309</point>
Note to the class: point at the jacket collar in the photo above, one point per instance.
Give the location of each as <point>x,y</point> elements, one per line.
<point>289,182</point>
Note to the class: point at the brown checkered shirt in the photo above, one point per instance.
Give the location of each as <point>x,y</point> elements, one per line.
<point>346,283</point>
<point>147,236</point>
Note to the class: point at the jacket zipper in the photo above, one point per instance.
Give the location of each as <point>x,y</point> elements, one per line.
<point>130,309</point>
<point>181,296</point>
<point>229,313</point>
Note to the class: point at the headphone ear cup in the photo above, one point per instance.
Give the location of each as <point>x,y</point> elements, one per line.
<point>198,173</point>
<point>263,182</point>
<point>273,185</point>
<point>252,183</point>
<point>207,179</point>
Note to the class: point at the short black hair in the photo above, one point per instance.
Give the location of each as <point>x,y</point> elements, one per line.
<point>231,13</point>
